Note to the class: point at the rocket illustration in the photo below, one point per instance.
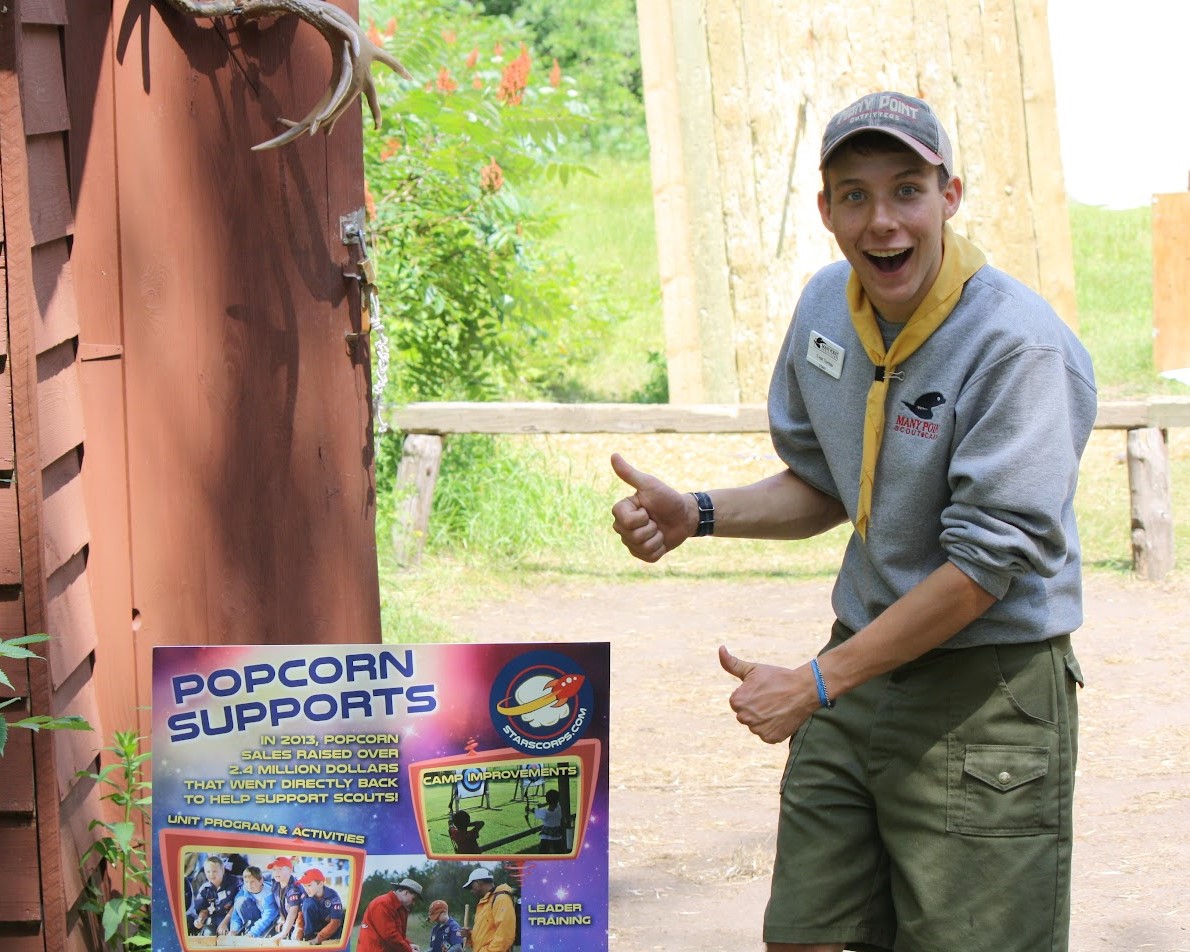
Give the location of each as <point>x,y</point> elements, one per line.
<point>557,692</point>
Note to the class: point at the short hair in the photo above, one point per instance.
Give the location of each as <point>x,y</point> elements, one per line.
<point>871,142</point>
<point>254,872</point>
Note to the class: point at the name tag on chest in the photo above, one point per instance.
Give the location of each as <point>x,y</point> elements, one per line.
<point>825,354</point>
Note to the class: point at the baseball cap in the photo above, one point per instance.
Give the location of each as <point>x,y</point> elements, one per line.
<point>411,884</point>
<point>280,861</point>
<point>437,906</point>
<point>311,876</point>
<point>477,874</point>
<point>906,118</point>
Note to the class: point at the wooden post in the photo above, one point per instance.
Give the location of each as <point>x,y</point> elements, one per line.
<point>691,244</point>
<point>417,473</point>
<point>737,93</point>
<point>1152,510</point>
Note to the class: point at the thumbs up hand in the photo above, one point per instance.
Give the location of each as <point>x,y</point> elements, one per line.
<point>771,701</point>
<point>656,518</point>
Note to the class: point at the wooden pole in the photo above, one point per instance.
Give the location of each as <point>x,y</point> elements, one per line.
<point>417,473</point>
<point>1152,509</point>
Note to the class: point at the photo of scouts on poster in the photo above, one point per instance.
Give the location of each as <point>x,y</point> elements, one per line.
<point>235,898</point>
<point>502,808</point>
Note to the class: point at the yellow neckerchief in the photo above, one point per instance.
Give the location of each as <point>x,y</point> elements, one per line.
<point>960,260</point>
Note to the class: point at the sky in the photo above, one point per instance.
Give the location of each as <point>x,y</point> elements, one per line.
<point>1122,74</point>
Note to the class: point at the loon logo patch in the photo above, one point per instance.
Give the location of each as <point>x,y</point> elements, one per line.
<point>920,424</point>
<point>923,407</point>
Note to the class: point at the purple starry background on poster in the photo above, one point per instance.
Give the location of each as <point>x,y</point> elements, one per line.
<point>213,705</point>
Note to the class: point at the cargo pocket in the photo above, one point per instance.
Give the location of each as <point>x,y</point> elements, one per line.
<point>1000,791</point>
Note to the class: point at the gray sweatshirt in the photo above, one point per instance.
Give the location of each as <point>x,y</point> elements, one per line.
<point>984,428</point>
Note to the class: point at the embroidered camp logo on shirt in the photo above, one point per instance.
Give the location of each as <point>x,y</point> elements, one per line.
<point>921,422</point>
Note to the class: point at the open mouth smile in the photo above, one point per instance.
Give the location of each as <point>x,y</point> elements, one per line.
<point>888,261</point>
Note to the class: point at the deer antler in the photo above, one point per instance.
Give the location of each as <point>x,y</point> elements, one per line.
<point>353,54</point>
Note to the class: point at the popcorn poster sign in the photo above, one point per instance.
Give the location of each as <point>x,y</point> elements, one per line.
<point>331,795</point>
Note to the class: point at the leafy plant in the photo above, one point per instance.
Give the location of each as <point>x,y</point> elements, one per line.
<point>476,305</point>
<point>597,42</point>
<point>14,648</point>
<point>124,911</point>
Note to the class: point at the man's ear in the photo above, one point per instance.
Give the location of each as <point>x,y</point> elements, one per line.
<point>952,195</point>
<point>824,210</point>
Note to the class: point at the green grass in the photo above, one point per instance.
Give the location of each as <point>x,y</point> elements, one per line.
<point>606,224</point>
<point>514,511</point>
<point>1113,263</point>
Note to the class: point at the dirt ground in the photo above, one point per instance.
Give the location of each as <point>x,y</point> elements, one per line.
<point>694,796</point>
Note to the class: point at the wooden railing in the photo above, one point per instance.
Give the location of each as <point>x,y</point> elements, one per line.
<point>426,423</point>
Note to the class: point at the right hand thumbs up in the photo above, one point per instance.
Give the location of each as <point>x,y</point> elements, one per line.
<point>656,518</point>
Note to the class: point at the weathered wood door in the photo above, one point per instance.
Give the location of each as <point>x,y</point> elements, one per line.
<point>228,422</point>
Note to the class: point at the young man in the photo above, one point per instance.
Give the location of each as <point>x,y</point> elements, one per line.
<point>445,936</point>
<point>941,407</point>
<point>322,909</point>
<point>495,915</point>
<point>387,918</point>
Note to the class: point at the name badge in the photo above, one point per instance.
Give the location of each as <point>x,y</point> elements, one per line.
<point>825,354</point>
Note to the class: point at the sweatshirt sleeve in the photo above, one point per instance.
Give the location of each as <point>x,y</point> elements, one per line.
<point>269,912</point>
<point>1021,427</point>
<point>793,435</point>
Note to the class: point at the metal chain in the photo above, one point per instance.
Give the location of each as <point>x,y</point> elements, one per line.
<point>370,298</point>
<point>380,351</point>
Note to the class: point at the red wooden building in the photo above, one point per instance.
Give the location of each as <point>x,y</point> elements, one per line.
<point>185,452</point>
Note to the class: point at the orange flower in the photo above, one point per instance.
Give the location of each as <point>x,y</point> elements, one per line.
<point>390,28</point>
<point>477,83</point>
<point>498,49</point>
<point>515,79</point>
<point>374,34</point>
<point>491,177</point>
<point>473,58</point>
<point>556,74</point>
<point>445,82</point>
<point>389,149</point>
<point>369,203</point>
<point>449,36</point>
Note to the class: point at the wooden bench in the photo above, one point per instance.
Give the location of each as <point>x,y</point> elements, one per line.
<point>425,424</point>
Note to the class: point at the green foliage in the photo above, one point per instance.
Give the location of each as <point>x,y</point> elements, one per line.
<point>14,649</point>
<point>597,42</point>
<point>506,502</point>
<point>124,910</point>
<point>477,306</point>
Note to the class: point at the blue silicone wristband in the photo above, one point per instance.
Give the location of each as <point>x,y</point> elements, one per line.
<point>823,697</point>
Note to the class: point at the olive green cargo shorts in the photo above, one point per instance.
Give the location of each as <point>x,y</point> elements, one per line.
<point>930,810</point>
